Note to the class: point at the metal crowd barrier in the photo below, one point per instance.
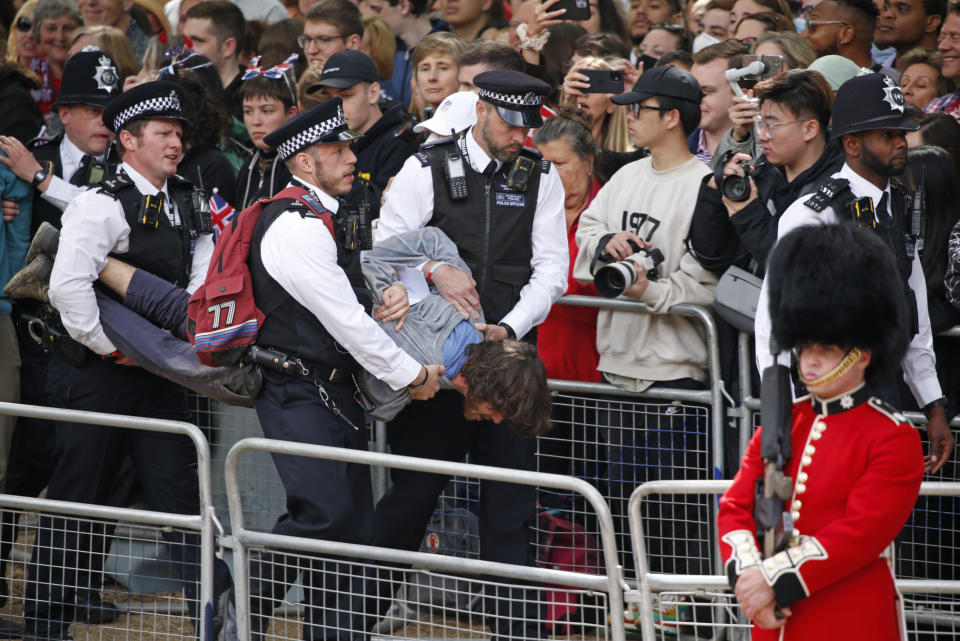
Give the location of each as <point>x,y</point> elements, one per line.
<point>609,583</point>
<point>138,528</point>
<point>940,616</point>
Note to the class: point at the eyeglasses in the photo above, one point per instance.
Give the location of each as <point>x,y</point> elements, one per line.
<point>769,127</point>
<point>636,108</point>
<point>672,28</point>
<point>746,42</point>
<point>320,41</point>
<point>24,24</point>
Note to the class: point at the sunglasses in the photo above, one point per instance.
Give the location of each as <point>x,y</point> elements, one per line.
<point>24,24</point>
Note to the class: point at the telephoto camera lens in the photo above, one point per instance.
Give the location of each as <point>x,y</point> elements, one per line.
<point>614,279</point>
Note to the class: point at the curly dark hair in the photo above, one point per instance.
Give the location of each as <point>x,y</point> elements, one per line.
<point>208,115</point>
<point>513,380</point>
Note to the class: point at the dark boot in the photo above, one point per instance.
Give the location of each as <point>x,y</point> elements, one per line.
<point>45,241</point>
<point>33,281</point>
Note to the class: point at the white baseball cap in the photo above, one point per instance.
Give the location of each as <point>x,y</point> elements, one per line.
<point>456,113</point>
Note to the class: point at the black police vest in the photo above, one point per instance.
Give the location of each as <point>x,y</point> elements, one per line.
<point>47,154</point>
<point>492,228</point>
<point>289,326</point>
<point>836,193</point>
<point>164,250</point>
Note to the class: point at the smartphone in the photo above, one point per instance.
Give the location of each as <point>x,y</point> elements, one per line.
<point>772,66</point>
<point>576,9</point>
<point>604,81</point>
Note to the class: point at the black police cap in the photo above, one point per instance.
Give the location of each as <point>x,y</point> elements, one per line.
<point>157,99</point>
<point>662,82</point>
<point>90,77</point>
<point>323,124</point>
<point>345,69</point>
<point>867,102</point>
<point>516,96</point>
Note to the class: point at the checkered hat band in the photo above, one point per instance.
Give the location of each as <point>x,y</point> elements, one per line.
<point>529,99</point>
<point>310,135</point>
<point>163,104</point>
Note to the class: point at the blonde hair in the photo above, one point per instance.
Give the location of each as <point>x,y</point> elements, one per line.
<point>378,43</point>
<point>439,43</point>
<point>614,134</point>
<point>26,11</point>
<point>112,41</point>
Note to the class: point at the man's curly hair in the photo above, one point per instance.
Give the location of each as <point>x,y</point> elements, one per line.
<point>511,378</point>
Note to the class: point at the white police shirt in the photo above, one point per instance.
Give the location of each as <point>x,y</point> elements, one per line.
<point>409,205</point>
<point>94,226</point>
<point>919,363</point>
<point>300,254</point>
<point>60,192</point>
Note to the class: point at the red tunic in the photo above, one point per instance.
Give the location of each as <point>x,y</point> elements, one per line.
<point>567,339</point>
<point>857,474</point>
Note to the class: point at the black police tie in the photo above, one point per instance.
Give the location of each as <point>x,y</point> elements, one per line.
<point>491,168</point>
<point>79,177</point>
<point>883,215</point>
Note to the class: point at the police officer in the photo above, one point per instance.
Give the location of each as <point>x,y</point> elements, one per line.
<point>869,121</point>
<point>502,205</point>
<point>63,167</point>
<point>59,168</point>
<point>321,320</point>
<point>145,215</point>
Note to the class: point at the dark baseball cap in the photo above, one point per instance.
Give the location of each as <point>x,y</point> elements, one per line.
<point>345,69</point>
<point>663,82</point>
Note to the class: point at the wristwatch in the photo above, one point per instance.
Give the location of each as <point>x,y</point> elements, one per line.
<point>510,333</point>
<point>39,177</point>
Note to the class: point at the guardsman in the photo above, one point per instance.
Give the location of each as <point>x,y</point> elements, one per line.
<point>856,463</point>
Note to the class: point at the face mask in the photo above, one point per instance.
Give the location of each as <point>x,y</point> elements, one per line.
<point>800,22</point>
<point>704,40</point>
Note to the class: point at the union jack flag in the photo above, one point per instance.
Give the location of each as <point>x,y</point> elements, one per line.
<point>222,213</point>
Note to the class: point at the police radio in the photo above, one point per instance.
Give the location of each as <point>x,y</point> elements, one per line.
<point>200,207</point>
<point>520,173</point>
<point>456,175</point>
<point>354,226</point>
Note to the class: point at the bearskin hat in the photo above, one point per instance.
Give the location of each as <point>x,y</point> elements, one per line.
<point>839,285</point>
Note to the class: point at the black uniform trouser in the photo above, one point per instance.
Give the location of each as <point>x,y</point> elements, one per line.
<point>437,429</point>
<point>326,500</point>
<point>88,460</point>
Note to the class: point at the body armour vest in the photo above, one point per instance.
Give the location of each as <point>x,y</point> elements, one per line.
<point>289,326</point>
<point>48,155</point>
<point>165,250</point>
<point>895,232</point>
<point>492,228</point>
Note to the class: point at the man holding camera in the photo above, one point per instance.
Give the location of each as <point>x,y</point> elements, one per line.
<point>502,205</point>
<point>647,205</point>
<point>870,123</point>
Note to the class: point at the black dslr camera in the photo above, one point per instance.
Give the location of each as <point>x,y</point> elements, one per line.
<point>733,187</point>
<point>615,278</point>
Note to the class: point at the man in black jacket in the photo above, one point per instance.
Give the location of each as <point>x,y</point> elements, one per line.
<point>792,127</point>
<point>352,76</point>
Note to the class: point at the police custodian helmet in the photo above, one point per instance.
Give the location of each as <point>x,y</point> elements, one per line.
<point>839,285</point>
<point>870,101</point>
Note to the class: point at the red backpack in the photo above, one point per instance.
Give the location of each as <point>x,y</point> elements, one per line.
<point>223,319</point>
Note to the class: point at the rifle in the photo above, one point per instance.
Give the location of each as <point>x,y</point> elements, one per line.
<point>774,524</point>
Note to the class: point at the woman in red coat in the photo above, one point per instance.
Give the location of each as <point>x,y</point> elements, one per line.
<point>856,463</point>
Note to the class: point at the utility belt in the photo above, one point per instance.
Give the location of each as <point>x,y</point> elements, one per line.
<point>277,361</point>
<point>319,373</point>
<point>45,329</point>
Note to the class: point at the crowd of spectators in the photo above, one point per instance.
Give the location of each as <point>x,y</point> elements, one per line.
<point>404,70</point>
